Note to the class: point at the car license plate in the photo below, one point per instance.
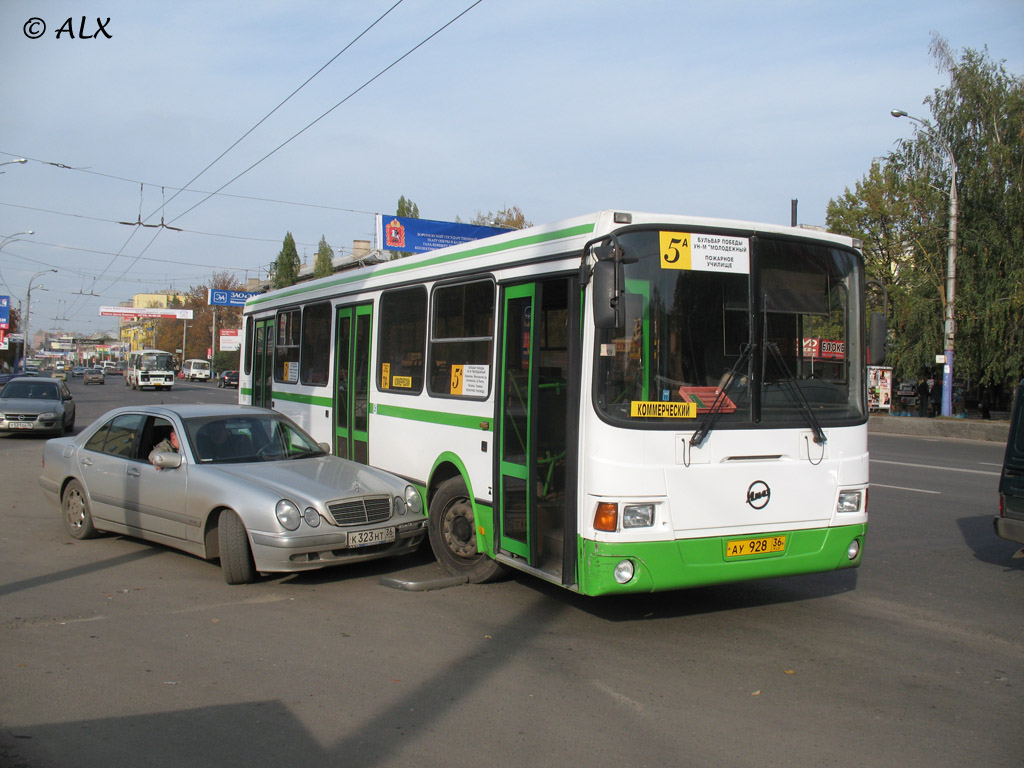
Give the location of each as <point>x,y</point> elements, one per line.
<point>760,546</point>
<point>368,538</point>
<point>21,425</point>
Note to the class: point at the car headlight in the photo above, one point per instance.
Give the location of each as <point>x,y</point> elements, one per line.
<point>398,506</point>
<point>288,514</point>
<point>849,501</point>
<point>48,415</point>
<point>311,516</point>
<point>413,500</point>
<point>638,516</point>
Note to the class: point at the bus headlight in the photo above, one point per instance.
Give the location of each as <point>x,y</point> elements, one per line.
<point>638,516</point>
<point>624,572</point>
<point>849,501</point>
<point>288,514</point>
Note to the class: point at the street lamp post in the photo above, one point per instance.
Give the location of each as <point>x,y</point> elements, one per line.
<point>949,326</point>
<point>28,312</point>
<point>19,161</point>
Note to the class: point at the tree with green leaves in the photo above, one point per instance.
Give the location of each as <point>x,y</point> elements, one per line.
<point>324,264</point>
<point>407,208</point>
<point>285,270</point>
<point>900,210</point>
<point>510,218</point>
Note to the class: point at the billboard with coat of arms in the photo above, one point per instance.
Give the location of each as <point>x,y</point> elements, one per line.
<point>399,233</point>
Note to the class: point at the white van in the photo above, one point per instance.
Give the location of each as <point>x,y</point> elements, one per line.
<point>196,369</point>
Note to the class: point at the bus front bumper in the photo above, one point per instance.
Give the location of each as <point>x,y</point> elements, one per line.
<point>683,563</point>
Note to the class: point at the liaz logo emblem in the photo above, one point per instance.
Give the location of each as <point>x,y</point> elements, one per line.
<point>759,494</point>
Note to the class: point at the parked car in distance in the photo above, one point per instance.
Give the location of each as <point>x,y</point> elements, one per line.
<point>246,485</point>
<point>31,370</point>
<point>1010,522</point>
<point>36,404</point>
<point>196,370</point>
<point>228,379</point>
<point>93,376</point>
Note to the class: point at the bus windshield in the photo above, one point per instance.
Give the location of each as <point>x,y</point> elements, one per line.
<point>156,362</point>
<point>778,316</point>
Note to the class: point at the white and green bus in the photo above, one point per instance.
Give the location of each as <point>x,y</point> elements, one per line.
<point>620,402</point>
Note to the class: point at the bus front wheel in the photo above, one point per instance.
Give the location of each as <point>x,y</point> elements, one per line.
<point>453,535</point>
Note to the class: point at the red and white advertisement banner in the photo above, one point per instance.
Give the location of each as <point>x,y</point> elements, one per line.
<point>823,349</point>
<point>173,314</point>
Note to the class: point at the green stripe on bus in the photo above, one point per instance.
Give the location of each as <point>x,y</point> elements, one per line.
<point>433,417</point>
<point>295,397</point>
<point>402,265</point>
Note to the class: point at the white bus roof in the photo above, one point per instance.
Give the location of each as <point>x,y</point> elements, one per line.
<point>548,240</point>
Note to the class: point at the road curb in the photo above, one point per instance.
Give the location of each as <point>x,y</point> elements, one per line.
<point>995,431</point>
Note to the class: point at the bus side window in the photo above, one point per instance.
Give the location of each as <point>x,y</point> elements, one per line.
<point>402,339</point>
<point>461,338</point>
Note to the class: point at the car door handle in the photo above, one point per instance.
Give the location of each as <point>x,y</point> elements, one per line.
<point>133,472</point>
<point>87,462</point>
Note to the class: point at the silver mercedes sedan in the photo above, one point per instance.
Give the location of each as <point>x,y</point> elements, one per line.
<point>242,484</point>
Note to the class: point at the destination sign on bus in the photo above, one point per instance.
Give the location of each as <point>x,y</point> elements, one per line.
<point>705,253</point>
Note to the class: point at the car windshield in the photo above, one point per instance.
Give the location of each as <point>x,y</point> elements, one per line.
<point>247,438</point>
<point>30,390</point>
<point>773,321</point>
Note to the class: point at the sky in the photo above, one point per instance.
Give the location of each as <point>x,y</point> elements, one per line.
<point>728,109</point>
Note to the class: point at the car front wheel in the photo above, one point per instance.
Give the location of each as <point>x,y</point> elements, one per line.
<point>235,555</point>
<point>74,511</point>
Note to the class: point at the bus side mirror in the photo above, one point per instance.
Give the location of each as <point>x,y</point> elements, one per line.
<point>608,280</point>
<point>877,336</point>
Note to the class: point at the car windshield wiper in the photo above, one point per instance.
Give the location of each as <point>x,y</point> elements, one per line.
<point>708,422</point>
<point>797,394</point>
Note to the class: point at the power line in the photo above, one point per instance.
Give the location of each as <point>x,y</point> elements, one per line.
<point>271,112</point>
<point>390,66</point>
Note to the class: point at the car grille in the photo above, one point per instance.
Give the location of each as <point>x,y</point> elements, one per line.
<point>374,509</point>
<point>22,416</point>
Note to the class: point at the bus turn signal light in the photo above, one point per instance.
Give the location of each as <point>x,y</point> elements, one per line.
<point>607,517</point>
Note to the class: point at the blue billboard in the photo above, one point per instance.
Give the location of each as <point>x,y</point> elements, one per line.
<point>398,233</point>
<point>226,298</point>
<point>5,311</point>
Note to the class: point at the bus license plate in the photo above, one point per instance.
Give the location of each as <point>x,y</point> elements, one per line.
<point>368,538</point>
<point>760,546</point>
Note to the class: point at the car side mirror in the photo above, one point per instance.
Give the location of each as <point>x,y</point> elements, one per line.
<point>325,448</point>
<point>167,460</point>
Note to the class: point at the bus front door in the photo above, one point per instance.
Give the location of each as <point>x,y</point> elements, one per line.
<point>352,382</point>
<point>263,364</point>
<point>533,453</point>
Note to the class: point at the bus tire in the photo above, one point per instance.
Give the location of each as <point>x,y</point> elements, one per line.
<point>452,530</point>
<point>235,555</point>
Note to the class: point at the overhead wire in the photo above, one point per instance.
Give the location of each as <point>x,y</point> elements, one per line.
<point>288,141</point>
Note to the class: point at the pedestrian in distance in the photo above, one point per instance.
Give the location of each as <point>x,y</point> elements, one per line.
<point>922,398</point>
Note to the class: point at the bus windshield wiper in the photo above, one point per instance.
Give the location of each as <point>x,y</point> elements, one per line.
<point>801,400</point>
<point>708,422</point>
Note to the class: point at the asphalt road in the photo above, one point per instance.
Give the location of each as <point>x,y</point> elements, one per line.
<point>118,653</point>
